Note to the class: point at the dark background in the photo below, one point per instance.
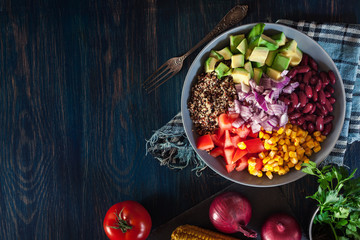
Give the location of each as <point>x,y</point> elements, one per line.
<point>74,119</point>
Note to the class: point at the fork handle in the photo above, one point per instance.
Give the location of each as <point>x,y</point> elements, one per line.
<point>235,15</point>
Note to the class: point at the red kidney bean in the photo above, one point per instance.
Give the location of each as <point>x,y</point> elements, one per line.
<point>331,77</point>
<point>319,123</point>
<point>313,109</point>
<point>330,89</point>
<point>310,117</point>
<point>318,86</point>
<point>302,98</point>
<point>324,79</point>
<point>305,59</point>
<point>313,64</point>
<point>291,108</point>
<point>302,86</point>
<point>293,121</point>
<point>307,76</point>
<point>295,115</point>
<point>313,80</point>
<point>315,96</point>
<point>286,101</point>
<point>322,110</point>
<point>304,126</point>
<point>302,69</point>
<point>327,94</point>
<point>328,119</point>
<point>322,97</point>
<point>327,129</point>
<point>328,106</point>
<point>308,91</point>
<point>310,128</point>
<point>332,100</point>
<point>294,99</point>
<point>308,107</point>
<point>292,73</point>
<point>300,120</point>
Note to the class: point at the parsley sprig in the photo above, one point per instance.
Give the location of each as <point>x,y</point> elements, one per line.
<point>338,197</point>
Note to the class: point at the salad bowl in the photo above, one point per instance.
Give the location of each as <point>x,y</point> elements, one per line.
<point>308,46</point>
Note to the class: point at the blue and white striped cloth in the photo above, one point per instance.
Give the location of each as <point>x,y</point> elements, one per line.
<point>342,43</point>
<point>170,146</point>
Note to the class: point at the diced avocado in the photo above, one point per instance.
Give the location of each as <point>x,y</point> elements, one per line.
<point>254,43</point>
<point>259,54</point>
<point>280,63</point>
<point>289,47</point>
<point>257,64</point>
<point>255,32</point>
<point>280,38</point>
<point>237,60</point>
<point>240,75</point>
<point>296,59</point>
<point>215,55</point>
<point>235,41</point>
<point>249,68</point>
<point>243,46</point>
<point>210,64</point>
<point>268,42</point>
<point>226,53</point>
<point>257,75</point>
<point>248,53</point>
<point>228,73</point>
<point>272,73</point>
<point>221,69</point>
<point>270,58</point>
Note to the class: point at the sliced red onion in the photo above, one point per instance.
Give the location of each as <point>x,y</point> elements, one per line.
<point>245,88</point>
<point>283,119</point>
<point>273,121</point>
<point>255,127</point>
<point>238,122</point>
<point>284,73</point>
<point>237,106</point>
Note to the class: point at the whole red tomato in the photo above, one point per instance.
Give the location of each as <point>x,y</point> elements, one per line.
<point>127,220</point>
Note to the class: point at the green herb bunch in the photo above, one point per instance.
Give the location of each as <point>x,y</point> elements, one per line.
<point>338,197</point>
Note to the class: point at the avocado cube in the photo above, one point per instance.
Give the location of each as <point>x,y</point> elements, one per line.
<point>210,64</point>
<point>289,47</point>
<point>296,58</point>
<point>257,64</point>
<point>243,46</point>
<point>249,68</point>
<point>272,73</point>
<point>280,38</point>
<point>228,73</point>
<point>270,58</point>
<point>215,55</point>
<point>254,43</point>
<point>259,54</point>
<point>237,60</point>
<point>280,63</point>
<point>257,75</point>
<point>255,32</point>
<point>240,75</point>
<point>235,41</point>
<point>268,42</point>
<point>226,53</point>
<point>248,53</point>
<point>221,69</point>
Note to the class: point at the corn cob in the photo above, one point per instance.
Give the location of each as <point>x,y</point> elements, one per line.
<point>190,232</point>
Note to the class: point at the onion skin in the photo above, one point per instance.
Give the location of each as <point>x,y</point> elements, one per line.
<point>281,226</point>
<point>230,212</point>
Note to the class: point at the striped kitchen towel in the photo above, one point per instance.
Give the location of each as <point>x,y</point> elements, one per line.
<point>170,146</point>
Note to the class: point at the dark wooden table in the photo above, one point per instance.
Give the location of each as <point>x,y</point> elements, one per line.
<point>74,119</point>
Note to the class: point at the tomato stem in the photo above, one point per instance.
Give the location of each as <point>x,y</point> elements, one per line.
<point>121,223</point>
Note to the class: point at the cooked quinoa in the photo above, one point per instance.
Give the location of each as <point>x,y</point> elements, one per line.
<point>209,98</point>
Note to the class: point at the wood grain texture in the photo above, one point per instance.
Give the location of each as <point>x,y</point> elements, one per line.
<point>74,118</point>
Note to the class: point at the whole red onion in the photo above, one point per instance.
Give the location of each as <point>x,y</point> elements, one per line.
<point>281,226</point>
<point>230,212</point>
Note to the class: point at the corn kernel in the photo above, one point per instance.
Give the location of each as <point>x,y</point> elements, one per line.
<point>286,168</point>
<point>323,137</point>
<point>281,161</point>
<point>280,131</point>
<point>319,139</point>
<point>286,156</point>
<point>271,162</point>
<point>266,136</point>
<point>317,134</point>
<point>241,145</point>
<point>269,132</point>
<point>288,132</point>
<point>308,138</point>
<point>272,154</point>
<point>316,149</point>
<point>316,144</point>
<point>308,152</point>
<point>262,155</point>
<point>259,174</point>
<point>291,148</point>
<point>268,167</point>
<point>273,140</point>
<point>276,169</point>
<point>293,135</point>
<point>292,154</point>
<point>267,146</point>
<point>300,150</point>
<point>274,148</point>
<point>306,160</point>
<point>298,166</point>
<point>266,159</point>
<point>261,134</point>
<point>290,164</point>
<point>281,141</point>
<point>269,175</point>
<point>310,144</point>
<point>302,140</point>
<point>281,171</point>
<point>287,141</point>
<point>294,160</point>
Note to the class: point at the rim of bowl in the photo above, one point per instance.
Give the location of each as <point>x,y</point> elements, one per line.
<point>238,30</point>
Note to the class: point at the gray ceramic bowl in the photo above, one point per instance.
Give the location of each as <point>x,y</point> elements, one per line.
<point>307,45</point>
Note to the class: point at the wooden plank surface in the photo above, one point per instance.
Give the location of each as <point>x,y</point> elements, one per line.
<point>74,118</point>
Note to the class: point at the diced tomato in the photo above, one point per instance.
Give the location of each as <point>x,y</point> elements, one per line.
<point>217,141</point>
<point>242,131</point>
<point>239,154</point>
<point>259,164</point>
<point>233,116</point>
<point>230,167</point>
<point>235,140</point>
<point>205,142</point>
<point>227,141</point>
<point>219,132</point>
<point>254,145</point>
<point>242,163</point>
<point>253,135</point>
<point>225,122</point>
<point>218,151</point>
<point>228,154</point>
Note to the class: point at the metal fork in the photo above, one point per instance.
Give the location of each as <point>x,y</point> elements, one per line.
<point>174,65</point>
